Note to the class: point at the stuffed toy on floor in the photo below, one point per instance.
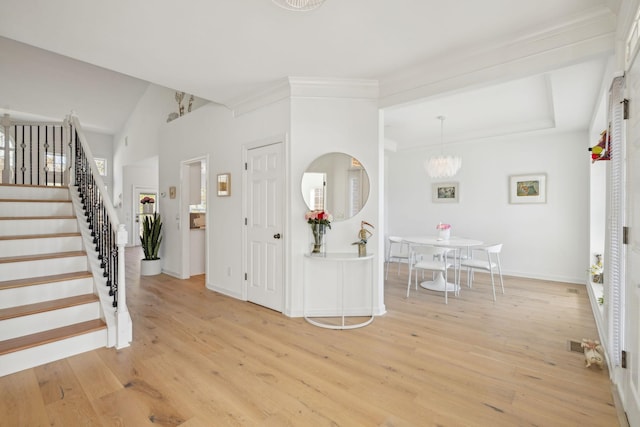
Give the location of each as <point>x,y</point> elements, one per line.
<point>593,352</point>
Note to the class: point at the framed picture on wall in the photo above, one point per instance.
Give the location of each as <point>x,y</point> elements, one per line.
<point>528,188</point>
<point>224,184</point>
<point>445,192</point>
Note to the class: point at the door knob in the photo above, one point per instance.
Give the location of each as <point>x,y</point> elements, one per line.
<point>276,236</point>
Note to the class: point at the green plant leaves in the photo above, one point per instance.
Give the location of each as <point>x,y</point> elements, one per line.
<point>151,236</point>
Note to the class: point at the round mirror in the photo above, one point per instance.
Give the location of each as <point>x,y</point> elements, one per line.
<point>337,183</point>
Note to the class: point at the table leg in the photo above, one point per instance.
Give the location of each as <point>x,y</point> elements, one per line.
<point>439,285</point>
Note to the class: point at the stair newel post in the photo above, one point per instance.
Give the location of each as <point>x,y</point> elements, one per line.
<point>66,145</point>
<point>125,332</point>
<point>6,172</point>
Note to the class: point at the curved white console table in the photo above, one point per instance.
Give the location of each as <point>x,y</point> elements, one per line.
<point>341,260</point>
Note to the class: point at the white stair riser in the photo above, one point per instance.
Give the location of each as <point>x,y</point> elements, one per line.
<point>36,356</point>
<point>26,325</point>
<point>29,227</point>
<point>28,358</point>
<point>42,193</point>
<point>45,292</point>
<point>18,247</point>
<point>45,267</point>
<point>36,209</point>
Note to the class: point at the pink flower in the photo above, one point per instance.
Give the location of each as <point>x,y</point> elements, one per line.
<point>442,226</point>
<point>319,217</point>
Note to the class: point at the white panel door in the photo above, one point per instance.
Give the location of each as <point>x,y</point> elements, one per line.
<point>265,187</point>
<point>631,376</point>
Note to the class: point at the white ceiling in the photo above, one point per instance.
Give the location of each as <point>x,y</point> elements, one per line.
<point>560,100</point>
<point>222,50</point>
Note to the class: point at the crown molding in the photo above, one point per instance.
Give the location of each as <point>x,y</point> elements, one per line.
<point>305,87</point>
<point>557,46</point>
<point>312,87</point>
<point>269,94</point>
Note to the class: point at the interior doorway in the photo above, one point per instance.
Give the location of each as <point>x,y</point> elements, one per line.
<point>264,246</point>
<point>194,214</point>
<point>145,203</point>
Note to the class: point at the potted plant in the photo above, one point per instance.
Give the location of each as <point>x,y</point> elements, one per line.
<point>151,238</point>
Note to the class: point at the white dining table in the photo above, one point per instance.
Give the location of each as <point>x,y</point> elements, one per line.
<point>438,284</point>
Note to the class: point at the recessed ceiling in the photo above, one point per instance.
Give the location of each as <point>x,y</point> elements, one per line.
<point>560,100</point>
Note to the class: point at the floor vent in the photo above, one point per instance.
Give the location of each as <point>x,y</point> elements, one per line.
<point>574,346</point>
<point>572,291</point>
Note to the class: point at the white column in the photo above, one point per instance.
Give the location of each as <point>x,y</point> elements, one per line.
<point>123,319</point>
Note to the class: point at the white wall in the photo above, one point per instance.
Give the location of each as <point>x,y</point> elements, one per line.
<point>212,130</point>
<point>101,146</point>
<point>320,126</point>
<point>135,157</point>
<point>136,176</point>
<point>548,241</point>
<point>311,126</point>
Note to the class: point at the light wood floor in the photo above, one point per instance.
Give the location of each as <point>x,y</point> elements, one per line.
<point>203,359</point>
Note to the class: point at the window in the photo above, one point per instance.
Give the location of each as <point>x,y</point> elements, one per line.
<point>102,166</point>
<point>317,198</point>
<point>55,162</point>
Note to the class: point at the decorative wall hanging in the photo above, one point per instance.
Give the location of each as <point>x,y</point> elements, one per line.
<point>179,96</point>
<point>528,188</point>
<point>445,192</point>
<point>224,184</point>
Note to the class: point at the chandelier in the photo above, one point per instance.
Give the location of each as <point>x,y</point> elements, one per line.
<point>442,166</point>
<point>299,5</point>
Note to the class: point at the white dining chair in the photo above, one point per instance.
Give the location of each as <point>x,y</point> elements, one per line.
<point>489,261</point>
<point>397,251</point>
<point>434,258</point>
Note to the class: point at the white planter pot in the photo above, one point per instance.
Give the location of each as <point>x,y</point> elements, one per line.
<point>150,267</point>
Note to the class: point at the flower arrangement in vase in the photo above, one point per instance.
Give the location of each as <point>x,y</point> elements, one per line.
<point>319,220</point>
<point>444,231</point>
<point>147,204</point>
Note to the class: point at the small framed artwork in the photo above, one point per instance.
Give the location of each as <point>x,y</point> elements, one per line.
<point>528,188</point>
<point>445,192</point>
<point>224,184</point>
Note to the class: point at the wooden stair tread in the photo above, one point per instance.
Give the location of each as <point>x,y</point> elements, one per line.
<point>52,335</point>
<point>40,236</point>
<point>41,307</point>
<point>54,187</point>
<point>15,218</point>
<point>30,281</point>
<point>35,200</point>
<point>37,257</point>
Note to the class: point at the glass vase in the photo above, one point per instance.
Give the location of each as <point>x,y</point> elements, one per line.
<point>444,234</point>
<point>318,232</point>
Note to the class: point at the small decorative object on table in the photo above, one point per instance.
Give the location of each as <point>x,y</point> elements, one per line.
<point>363,235</point>
<point>444,231</point>
<point>319,220</point>
<point>592,352</point>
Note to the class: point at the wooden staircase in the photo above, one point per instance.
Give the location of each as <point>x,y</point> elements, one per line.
<point>49,308</point>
